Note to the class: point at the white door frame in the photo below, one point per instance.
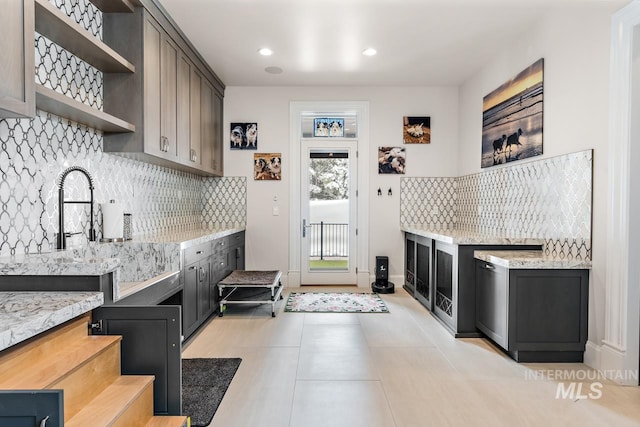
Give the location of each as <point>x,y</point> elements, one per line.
<point>330,277</point>
<point>619,351</point>
<point>296,109</point>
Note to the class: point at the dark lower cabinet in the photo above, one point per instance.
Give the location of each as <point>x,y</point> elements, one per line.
<point>30,408</point>
<point>410,263</point>
<point>423,272</point>
<point>535,315</point>
<point>205,266</point>
<point>151,345</point>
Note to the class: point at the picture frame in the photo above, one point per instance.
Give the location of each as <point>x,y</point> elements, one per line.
<point>416,130</point>
<point>512,118</point>
<point>391,160</point>
<point>243,136</point>
<point>267,166</point>
<point>328,127</point>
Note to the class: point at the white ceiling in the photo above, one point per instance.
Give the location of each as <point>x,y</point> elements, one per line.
<point>319,43</point>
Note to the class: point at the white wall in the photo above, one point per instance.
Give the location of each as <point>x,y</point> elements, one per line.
<point>575,45</point>
<point>268,235</point>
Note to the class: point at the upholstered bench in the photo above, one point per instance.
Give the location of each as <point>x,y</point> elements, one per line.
<point>239,281</point>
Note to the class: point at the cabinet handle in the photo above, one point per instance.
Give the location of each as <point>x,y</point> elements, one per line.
<point>194,157</point>
<point>489,267</point>
<point>193,267</point>
<point>199,252</point>
<point>202,276</point>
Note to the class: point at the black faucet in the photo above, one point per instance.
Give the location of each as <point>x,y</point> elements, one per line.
<point>62,236</point>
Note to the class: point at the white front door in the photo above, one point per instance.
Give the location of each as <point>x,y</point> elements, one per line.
<point>329,211</point>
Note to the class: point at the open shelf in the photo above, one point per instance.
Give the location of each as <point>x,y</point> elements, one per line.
<point>53,24</point>
<point>113,6</point>
<point>61,105</point>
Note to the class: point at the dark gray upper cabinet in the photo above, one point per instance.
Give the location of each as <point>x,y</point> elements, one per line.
<point>17,83</point>
<point>174,99</point>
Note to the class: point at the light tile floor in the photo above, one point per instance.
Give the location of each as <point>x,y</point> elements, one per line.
<point>390,370</point>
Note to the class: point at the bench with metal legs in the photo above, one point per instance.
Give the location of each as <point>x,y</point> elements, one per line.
<point>240,280</point>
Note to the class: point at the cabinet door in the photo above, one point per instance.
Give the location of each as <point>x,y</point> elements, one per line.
<point>152,87</point>
<point>445,284</point>
<point>207,136</point>
<point>150,346</point>
<point>169,97</point>
<point>183,123</point>
<point>28,408</point>
<point>205,304</point>
<point>218,137</point>
<point>410,264</point>
<point>190,299</point>
<point>492,302</point>
<point>195,157</point>
<point>17,84</point>
<point>423,278</point>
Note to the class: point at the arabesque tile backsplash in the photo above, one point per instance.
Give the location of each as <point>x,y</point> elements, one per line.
<point>34,152</point>
<point>549,198</point>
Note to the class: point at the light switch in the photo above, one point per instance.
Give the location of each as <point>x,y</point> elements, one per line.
<point>276,210</point>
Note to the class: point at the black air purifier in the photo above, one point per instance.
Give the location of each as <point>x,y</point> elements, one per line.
<point>382,285</point>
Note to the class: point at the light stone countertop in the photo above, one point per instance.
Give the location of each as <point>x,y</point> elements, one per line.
<point>26,314</point>
<point>58,263</point>
<point>530,260</point>
<point>140,259</point>
<point>187,238</point>
<point>461,237</point>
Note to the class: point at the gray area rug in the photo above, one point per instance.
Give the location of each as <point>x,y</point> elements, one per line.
<point>204,383</point>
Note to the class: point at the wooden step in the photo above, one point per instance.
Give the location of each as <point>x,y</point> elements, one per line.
<point>128,401</point>
<point>32,350</point>
<point>86,367</point>
<point>45,371</point>
<point>167,421</point>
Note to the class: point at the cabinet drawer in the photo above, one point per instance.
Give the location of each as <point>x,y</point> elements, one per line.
<point>221,245</point>
<point>196,253</point>
<point>236,239</point>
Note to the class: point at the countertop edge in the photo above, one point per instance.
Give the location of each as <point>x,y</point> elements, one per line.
<point>530,260</point>
<point>21,328</point>
<point>459,237</point>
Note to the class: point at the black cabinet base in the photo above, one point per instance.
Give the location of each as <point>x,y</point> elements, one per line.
<point>547,356</point>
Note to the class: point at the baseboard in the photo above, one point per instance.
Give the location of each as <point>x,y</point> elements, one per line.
<point>592,355</point>
<point>612,364</point>
<point>293,279</point>
<point>363,279</point>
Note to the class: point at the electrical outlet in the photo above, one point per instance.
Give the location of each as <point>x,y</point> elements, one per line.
<point>276,210</point>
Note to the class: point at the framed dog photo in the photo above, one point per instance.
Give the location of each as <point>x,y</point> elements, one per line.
<point>331,127</point>
<point>244,136</point>
<point>267,166</point>
<point>416,130</point>
<point>391,160</point>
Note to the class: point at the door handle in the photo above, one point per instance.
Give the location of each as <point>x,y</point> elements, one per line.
<point>304,227</point>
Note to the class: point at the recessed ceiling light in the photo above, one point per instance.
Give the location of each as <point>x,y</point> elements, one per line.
<point>273,70</point>
<point>369,51</point>
<point>265,51</point>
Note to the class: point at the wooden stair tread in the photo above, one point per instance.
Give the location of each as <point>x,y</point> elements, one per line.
<point>47,369</point>
<point>167,421</point>
<point>106,407</point>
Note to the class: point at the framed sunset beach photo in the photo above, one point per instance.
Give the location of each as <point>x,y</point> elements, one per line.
<point>512,118</point>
